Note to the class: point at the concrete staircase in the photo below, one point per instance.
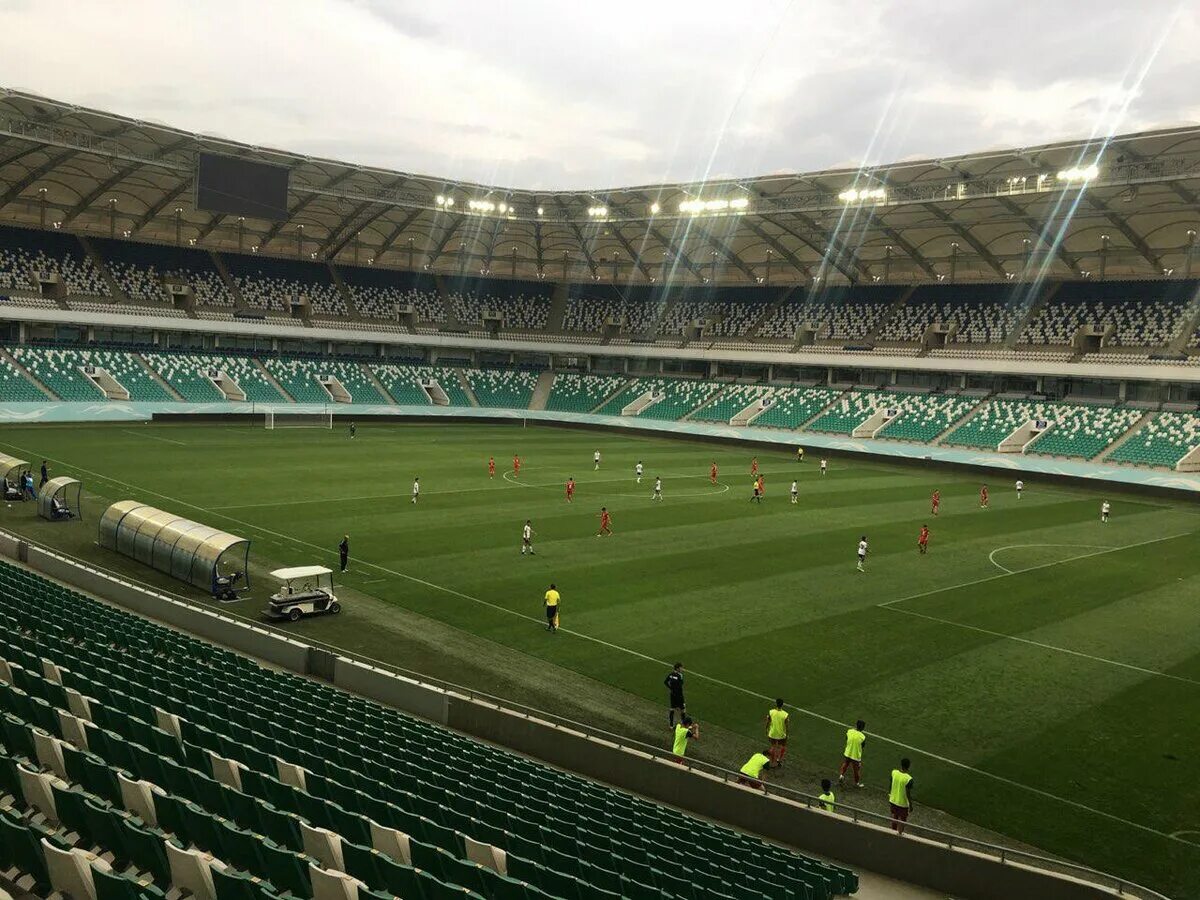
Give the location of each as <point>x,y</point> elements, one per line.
<point>541,391</point>
<point>1137,426</point>
<point>956,423</point>
<point>1034,308</point>
<point>892,310</point>
<point>623,384</point>
<point>466,386</point>
<point>101,266</point>
<point>1191,320</point>
<point>558,309</point>
<point>377,384</point>
<point>709,402</point>
<point>347,296</point>
<point>156,378</point>
<point>820,412</point>
<point>26,374</point>
<point>230,284</point>
<point>271,380</point>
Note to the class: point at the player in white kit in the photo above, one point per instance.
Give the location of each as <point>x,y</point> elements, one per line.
<point>1105,509</point>
<point>527,538</point>
<point>416,489</point>
<point>637,470</point>
<point>862,553</point>
<point>795,492</point>
<point>824,466</point>
<point>657,495</point>
<point>596,461</point>
<point>1020,488</point>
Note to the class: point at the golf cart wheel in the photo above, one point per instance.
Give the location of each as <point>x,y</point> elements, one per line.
<point>335,608</point>
<point>293,615</point>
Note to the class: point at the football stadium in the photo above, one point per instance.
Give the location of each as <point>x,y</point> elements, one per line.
<point>372,534</point>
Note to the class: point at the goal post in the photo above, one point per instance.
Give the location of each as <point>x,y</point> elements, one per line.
<point>280,418</point>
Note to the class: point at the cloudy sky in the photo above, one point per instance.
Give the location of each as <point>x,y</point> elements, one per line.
<point>572,94</point>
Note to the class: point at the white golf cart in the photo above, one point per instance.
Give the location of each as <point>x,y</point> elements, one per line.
<point>303,591</point>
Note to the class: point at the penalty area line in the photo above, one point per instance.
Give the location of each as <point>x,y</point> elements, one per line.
<point>966,767</point>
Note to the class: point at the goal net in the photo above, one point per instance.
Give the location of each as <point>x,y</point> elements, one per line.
<point>274,418</point>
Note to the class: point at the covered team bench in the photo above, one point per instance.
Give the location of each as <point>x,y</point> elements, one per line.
<point>201,555</point>
<point>59,499</point>
<point>12,470</point>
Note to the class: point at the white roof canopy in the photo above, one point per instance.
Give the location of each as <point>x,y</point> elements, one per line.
<point>295,572</point>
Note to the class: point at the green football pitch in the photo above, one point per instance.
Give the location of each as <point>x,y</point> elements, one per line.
<point>1041,669</point>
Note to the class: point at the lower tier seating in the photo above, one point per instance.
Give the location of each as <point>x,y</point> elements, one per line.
<point>581,393</point>
<point>157,763</point>
<point>1075,430</point>
<point>1163,441</point>
<point>502,388</point>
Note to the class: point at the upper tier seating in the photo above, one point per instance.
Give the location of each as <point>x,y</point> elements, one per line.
<point>1141,313</point>
<point>523,305</point>
<point>185,372</point>
<point>271,283</point>
<point>581,393</point>
<point>403,382</point>
<point>589,312</point>
<point>1076,430</point>
<point>1161,442</point>
<point>16,388</point>
<point>26,253</point>
<point>724,312</point>
<point>382,293</point>
<point>223,780</point>
<point>143,270</point>
<point>504,388</point>
<point>837,314</point>
<point>979,322</point>
<point>301,379</point>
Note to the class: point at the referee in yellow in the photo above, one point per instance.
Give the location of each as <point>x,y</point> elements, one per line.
<point>552,600</point>
<point>777,732</point>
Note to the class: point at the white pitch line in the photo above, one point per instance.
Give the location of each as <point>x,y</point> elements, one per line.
<point>808,712</point>
<point>1033,643</point>
<point>992,555</point>
<point>153,437</point>
<point>1057,562</point>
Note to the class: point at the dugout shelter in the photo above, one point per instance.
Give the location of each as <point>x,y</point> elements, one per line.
<point>190,551</point>
<point>60,499</point>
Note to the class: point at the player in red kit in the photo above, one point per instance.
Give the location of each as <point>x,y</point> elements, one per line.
<point>983,497</point>
<point>762,487</point>
<point>712,472</point>
<point>570,490</point>
<point>491,467</point>
<point>936,502</point>
<point>923,540</point>
<point>605,522</point>
<point>754,467</point>
<point>516,465</point>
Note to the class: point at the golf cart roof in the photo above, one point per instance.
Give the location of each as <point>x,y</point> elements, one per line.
<point>300,572</point>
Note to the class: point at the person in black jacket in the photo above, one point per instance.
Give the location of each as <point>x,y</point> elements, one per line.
<point>674,683</point>
<point>45,475</point>
<point>344,551</point>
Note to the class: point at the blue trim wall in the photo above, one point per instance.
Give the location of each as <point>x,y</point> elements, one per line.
<point>1013,464</point>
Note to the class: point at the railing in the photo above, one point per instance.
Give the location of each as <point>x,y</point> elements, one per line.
<point>1005,855</point>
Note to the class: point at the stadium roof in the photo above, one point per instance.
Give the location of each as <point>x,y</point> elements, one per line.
<point>983,216</point>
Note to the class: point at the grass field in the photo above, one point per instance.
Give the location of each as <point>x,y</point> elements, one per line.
<point>1041,669</point>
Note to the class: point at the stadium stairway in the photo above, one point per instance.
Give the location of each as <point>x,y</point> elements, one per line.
<point>1189,323</point>
<point>155,377</point>
<point>716,396</point>
<point>558,308</point>
<point>1137,426</point>
<point>873,334</point>
<point>239,301</point>
<point>619,387</point>
<point>541,392</point>
<point>102,268</point>
<point>1030,313</point>
<point>11,360</point>
<point>465,384</point>
<point>369,374</point>
<point>955,424</point>
<point>273,381</point>
<point>769,309</point>
<point>346,293</point>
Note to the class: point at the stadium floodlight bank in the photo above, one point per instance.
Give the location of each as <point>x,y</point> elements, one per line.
<point>280,418</point>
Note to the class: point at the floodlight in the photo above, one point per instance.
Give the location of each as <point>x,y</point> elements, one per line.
<point>439,200</point>
<point>654,208</point>
<point>503,207</point>
<point>1077,173</point>
<point>539,210</point>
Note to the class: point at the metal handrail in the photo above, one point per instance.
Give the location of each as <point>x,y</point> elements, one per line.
<point>1005,855</point>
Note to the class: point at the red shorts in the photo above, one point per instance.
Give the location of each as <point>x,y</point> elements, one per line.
<point>899,812</point>
<point>749,782</point>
